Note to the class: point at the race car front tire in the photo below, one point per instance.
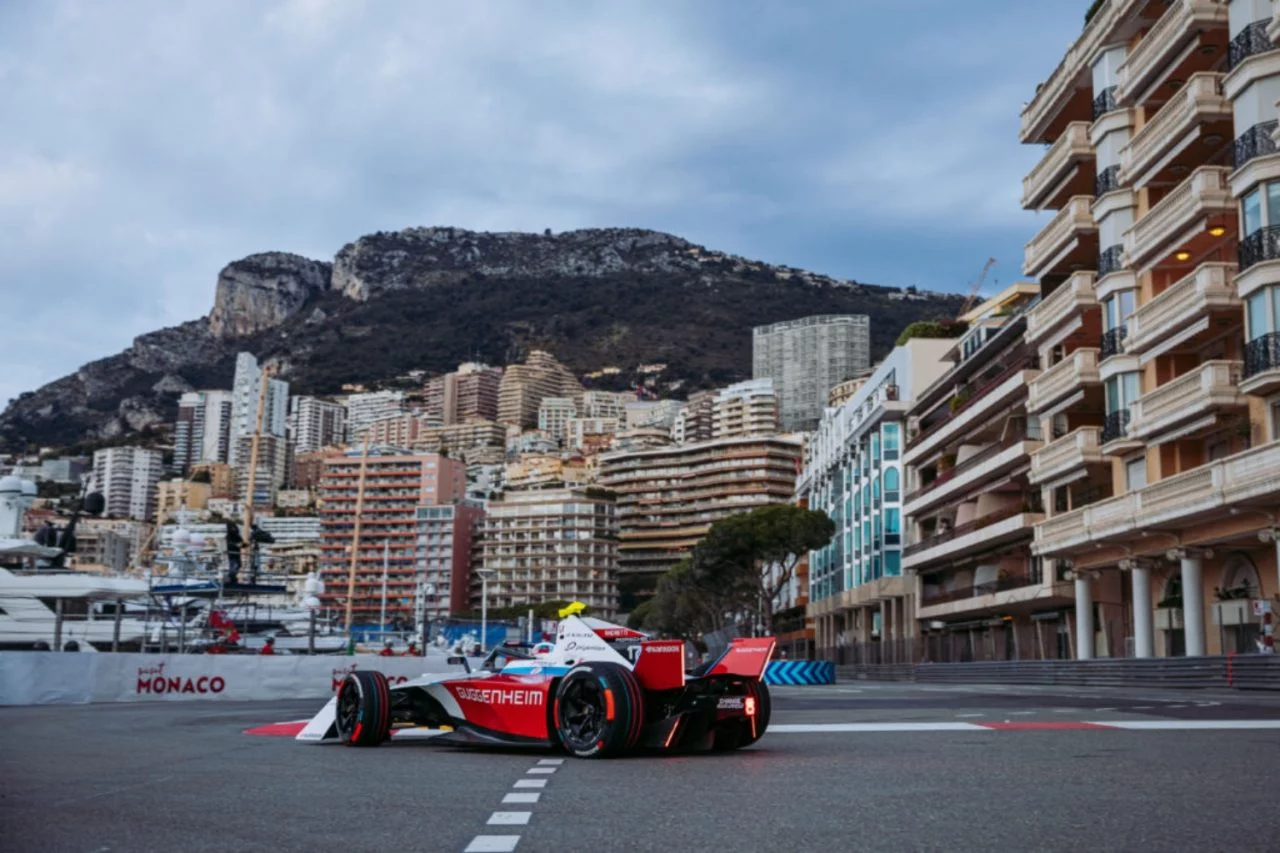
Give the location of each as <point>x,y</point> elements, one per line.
<point>599,710</point>
<point>363,713</point>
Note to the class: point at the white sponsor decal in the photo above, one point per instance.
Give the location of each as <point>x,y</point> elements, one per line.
<point>665,650</point>
<point>495,696</point>
<point>731,702</point>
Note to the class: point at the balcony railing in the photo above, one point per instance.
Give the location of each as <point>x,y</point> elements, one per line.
<point>1112,341</point>
<point>1179,24</point>
<point>1254,142</point>
<point>1115,426</point>
<point>1074,218</point>
<point>979,589</point>
<point>1104,102</point>
<point>1110,259</point>
<point>1206,191</point>
<point>1075,294</point>
<point>1078,369</point>
<point>1261,245</point>
<point>962,529</point>
<point>976,393</point>
<point>1262,354</point>
<point>1071,147</point>
<point>1250,41</point>
<point>970,463</point>
<point>1067,453</point>
<point>1200,100</point>
<point>1210,386</point>
<point>1207,289</point>
<point>1108,179</point>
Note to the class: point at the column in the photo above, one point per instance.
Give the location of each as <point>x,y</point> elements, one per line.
<point>1192,599</point>
<point>1084,617</point>
<point>1143,635</point>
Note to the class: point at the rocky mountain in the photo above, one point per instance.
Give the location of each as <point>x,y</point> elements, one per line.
<point>428,298</point>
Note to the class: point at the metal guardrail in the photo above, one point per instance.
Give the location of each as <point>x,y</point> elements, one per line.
<point>1240,672</point>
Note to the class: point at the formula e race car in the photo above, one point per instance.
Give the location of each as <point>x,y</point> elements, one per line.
<point>601,690</point>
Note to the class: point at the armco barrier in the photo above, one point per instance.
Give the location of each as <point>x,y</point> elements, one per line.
<point>59,678</point>
<point>1241,672</point>
<point>800,672</point>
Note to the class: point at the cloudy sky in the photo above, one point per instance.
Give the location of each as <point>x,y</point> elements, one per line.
<point>146,143</point>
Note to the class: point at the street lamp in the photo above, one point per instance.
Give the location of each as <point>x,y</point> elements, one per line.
<point>484,574</point>
<point>425,590</point>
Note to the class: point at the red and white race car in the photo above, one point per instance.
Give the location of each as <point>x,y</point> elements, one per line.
<point>601,690</point>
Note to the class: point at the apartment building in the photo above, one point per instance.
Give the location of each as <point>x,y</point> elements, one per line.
<point>524,386</point>
<point>172,495</point>
<point>604,404</point>
<point>401,430</point>
<point>554,414</point>
<point>669,496</point>
<point>694,421</point>
<point>64,469</point>
<point>202,431</point>
<point>127,477</point>
<point>314,424</point>
<point>980,594</point>
<point>808,357</point>
<point>745,408</point>
<point>475,433</point>
<point>589,434</point>
<point>553,545</point>
<point>396,484</point>
<point>245,391</point>
<point>100,552</point>
<point>220,477</point>
<point>646,414</point>
<point>469,392</point>
<point>270,474</point>
<point>447,539</point>
<point>365,408</point>
<point>859,599</point>
<point>1158,324</point>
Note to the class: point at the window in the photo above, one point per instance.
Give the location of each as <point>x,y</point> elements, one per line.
<point>1263,309</point>
<point>1275,420</point>
<point>1122,390</point>
<point>875,448</point>
<point>891,441</point>
<point>891,486</point>
<point>1117,308</point>
<point>1251,211</point>
<point>1135,473</point>
<point>892,527</point>
<point>892,564</point>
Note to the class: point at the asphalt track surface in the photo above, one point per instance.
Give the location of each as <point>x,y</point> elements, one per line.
<point>184,776</point>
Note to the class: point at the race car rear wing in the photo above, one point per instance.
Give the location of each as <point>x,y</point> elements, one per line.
<point>746,656</point>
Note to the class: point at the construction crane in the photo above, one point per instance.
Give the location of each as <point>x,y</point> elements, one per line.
<point>247,540</point>
<point>977,286</point>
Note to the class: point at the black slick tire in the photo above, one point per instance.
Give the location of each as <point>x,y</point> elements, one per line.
<point>599,710</point>
<point>744,731</point>
<point>363,713</point>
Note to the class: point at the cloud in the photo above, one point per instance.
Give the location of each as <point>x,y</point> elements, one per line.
<point>160,139</point>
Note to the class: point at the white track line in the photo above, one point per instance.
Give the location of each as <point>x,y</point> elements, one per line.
<point>493,844</point>
<point>534,771</point>
<point>509,818</point>
<point>530,783</point>
<point>804,728</point>
<point>550,762</point>
<point>521,797</point>
<point>1134,725</point>
<point>1191,725</point>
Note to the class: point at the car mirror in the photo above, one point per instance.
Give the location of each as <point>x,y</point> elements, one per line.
<point>458,660</point>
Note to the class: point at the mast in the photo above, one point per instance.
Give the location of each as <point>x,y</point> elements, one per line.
<point>355,532</point>
<point>246,543</point>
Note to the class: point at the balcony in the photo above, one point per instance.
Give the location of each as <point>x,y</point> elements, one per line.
<point>1064,382</point>
<point>1061,307</point>
<point>1063,240</point>
<point>1063,172</point>
<point>1205,193</point>
<point>1183,313</point>
<point>984,466</point>
<point>1257,141</point>
<point>1188,403</point>
<point>1262,365</point>
<point>1065,459</point>
<point>1001,594</point>
<point>1166,51</point>
<point>1116,426</point>
<point>1110,259</point>
<point>1104,102</point>
<point>1251,41</point>
<point>1261,245</point>
<point>996,393</point>
<point>1112,341</point>
<point>980,535</point>
<point>1197,111</point>
<point>1195,496</point>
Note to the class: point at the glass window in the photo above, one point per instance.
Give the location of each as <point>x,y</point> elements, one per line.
<point>891,485</point>
<point>1257,310</point>
<point>890,441</point>
<point>1251,208</point>
<point>875,448</point>
<point>892,564</point>
<point>1273,203</point>
<point>875,493</point>
<point>1130,387</point>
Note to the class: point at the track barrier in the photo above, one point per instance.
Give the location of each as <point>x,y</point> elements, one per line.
<point>800,672</point>
<point>1240,672</point>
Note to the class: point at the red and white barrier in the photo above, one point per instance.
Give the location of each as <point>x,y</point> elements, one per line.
<point>61,678</point>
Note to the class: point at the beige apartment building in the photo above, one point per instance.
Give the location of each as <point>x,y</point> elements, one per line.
<point>1158,326</point>
<point>980,593</point>
<point>559,545</point>
<point>524,386</point>
<point>669,496</point>
<point>173,494</point>
<point>745,408</point>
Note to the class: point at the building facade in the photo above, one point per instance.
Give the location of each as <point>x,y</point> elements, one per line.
<point>524,386</point>
<point>128,478</point>
<point>695,420</point>
<point>808,357</point>
<point>469,392</point>
<point>669,496</point>
<point>861,602</point>
<point>171,495</point>
<point>1158,325</point>
<point>746,408</point>
<point>202,432</point>
<point>245,392</point>
<point>270,474</point>
<point>365,408</point>
<point>315,424</point>
<point>554,414</point>
<point>395,485</point>
<point>550,546</point>
<point>447,536</point>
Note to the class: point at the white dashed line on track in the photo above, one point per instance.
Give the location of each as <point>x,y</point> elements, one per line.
<point>520,797</point>
<point>493,844</point>
<point>530,783</point>
<point>534,771</point>
<point>509,818</point>
<point>550,762</point>
<point>506,843</point>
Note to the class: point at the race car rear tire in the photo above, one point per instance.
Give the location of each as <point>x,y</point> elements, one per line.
<point>599,710</point>
<point>363,713</point>
<point>738,732</point>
